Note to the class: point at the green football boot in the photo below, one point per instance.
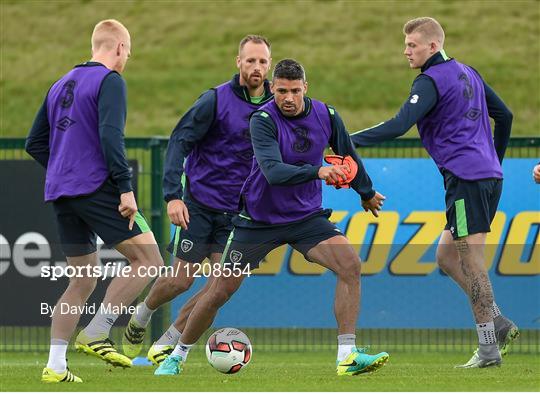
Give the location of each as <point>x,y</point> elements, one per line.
<point>171,366</point>
<point>132,340</point>
<point>506,332</point>
<point>156,354</point>
<point>359,362</point>
<point>102,348</point>
<point>50,376</point>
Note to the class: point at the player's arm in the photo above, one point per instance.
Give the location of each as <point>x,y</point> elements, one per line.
<point>422,99</point>
<point>341,144</point>
<point>112,110</point>
<point>37,142</point>
<point>502,116</point>
<point>266,148</point>
<point>191,128</point>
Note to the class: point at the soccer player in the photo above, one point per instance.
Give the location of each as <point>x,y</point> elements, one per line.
<point>213,137</point>
<point>78,136</point>
<point>281,202</point>
<point>450,103</point>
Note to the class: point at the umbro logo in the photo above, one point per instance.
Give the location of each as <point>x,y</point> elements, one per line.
<point>473,114</point>
<point>246,154</point>
<point>65,123</point>
<point>414,99</point>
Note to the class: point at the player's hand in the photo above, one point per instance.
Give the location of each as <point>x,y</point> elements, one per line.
<point>350,170</point>
<point>128,207</point>
<point>178,213</point>
<point>375,204</point>
<point>536,173</point>
<point>333,174</point>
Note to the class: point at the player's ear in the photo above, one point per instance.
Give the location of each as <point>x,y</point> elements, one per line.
<point>272,87</point>
<point>119,48</point>
<point>305,87</point>
<point>238,61</point>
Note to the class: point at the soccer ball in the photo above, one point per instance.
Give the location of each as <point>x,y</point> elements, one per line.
<point>228,350</point>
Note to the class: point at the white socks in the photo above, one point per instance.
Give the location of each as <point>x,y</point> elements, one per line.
<point>495,309</point>
<point>181,350</point>
<point>100,325</point>
<point>57,355</point>
<point>143,314</point>
<point>169,338</point>
<point>486,333</point>
<point>346,343</point>
<point>102,322</point>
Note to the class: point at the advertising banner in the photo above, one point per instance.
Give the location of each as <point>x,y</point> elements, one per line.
<point>29,242</point>
<point>402,287</point>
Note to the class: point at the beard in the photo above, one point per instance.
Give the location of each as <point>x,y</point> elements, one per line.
<point>252,82</point>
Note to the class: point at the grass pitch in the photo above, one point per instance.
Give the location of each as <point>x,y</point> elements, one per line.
<point>281,371</point>
<point>352,51</point>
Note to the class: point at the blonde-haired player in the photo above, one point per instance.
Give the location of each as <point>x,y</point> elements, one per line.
<point>78,136</point>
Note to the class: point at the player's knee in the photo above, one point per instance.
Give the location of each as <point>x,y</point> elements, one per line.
<point>444,262</point>
<point>352,261</point>
<point>218,298</point>
<point>84,286</point>
<point>182,285</point>
<point>176,285</point>
<point>148,259</point>
<point>441,262</point>
<point>154,260</point>
<point>220,295</point>
<point>350,270</point>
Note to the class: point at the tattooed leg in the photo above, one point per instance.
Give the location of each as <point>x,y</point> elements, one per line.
<point>471,253</point>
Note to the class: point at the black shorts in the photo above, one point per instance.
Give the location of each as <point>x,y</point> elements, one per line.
<point>79,219</point>
<point>470,205</point>
<point>249,245</point>
<point>207,233</point>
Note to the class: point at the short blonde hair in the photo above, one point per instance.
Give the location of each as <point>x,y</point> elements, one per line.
<point>255,39</point>
<point>108,33</point>
<point>428,27</point>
